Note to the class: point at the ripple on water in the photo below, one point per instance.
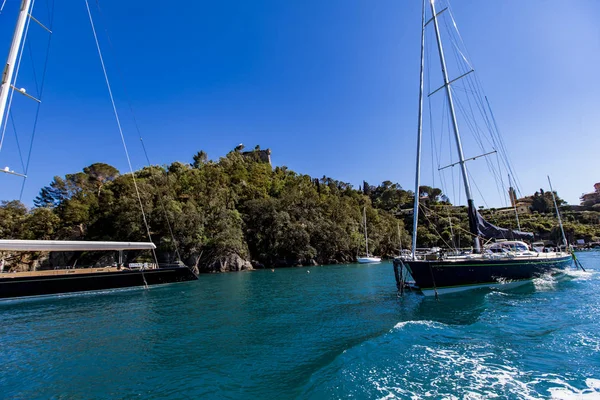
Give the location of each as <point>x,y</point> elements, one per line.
<point>338,332</point>
<point>406,363</point>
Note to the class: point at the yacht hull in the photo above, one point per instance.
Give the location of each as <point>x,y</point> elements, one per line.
<point>447,276</point>
<point>12,286</point>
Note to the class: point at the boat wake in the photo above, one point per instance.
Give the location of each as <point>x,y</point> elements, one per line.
<point>566,391</point>
<point>546,282</point>
<point>577,274</point>
<point>429,359</point>
<point>549,281</point>
<point>69,295</point>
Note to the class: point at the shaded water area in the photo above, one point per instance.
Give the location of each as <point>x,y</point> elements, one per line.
<point>310,333</point>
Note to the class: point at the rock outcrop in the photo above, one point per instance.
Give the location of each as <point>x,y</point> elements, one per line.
<point>229,263</point>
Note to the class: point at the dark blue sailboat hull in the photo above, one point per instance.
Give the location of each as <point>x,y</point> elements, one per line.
<point>446,276</point>
<point>11,287</point>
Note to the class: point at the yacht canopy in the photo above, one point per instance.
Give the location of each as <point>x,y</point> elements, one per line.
<point>71,245</point>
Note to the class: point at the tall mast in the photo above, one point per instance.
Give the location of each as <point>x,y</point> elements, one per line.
<point>399,236</point>
<point>419,134</point>
<point>558,214</point>
<point>461,157</point>
<point>513,199</point>
<point>9,68</point>
<point>365,222</point>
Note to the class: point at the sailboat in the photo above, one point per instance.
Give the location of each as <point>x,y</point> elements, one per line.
<point>508,261</point>
<point>367,258</point>
<point>65,280</point>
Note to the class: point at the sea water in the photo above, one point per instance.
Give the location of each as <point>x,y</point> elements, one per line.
<point>327,332</point>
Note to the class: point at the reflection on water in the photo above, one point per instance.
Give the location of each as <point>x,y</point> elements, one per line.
<point>451,309</point>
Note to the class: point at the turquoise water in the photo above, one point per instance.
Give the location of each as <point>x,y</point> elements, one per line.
<point>330,332</point>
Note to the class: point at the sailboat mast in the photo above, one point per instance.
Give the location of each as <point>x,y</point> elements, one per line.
<point>419,135</point>
<point>562,230</point>
<point>365,222</point>
<point>9,68</point>
<point>399,237</point>
<point>461,157</point>
<point>513,199</point>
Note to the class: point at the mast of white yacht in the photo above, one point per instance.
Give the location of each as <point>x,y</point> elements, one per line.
<point>472,211</point>
<point>562,230</point>
<point>419,135</point>
<point>9,69</point>
<point>365,223</point>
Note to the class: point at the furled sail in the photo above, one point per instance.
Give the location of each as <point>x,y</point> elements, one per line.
<point>491,231</point>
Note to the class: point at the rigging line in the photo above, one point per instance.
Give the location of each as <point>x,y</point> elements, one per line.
<point>479,94</point>
<point>432,225</point>
<point>493,134</point>
<point>501,140</point>
<point>432,211</point>
<point>160,200</point>
<point>39,104</point>
<point>458,227</point>
<point>15,75</point>
<point>441,133</point>
<point>450,148</point>
<point>472,123</point>
<point>112,100</point>
<point>2,7</point>
<point>441,173</point>
<point>458,31</point>
<point>479,191</point>
<point>473,128</point>
<point>456,48</point>
<point>504,188</point>
<point>482,113</point>
<point>17,141</point>
<point>137,127</point>
<point>37,87</point>
<point>478,138</point>
<point>431,125</point>
<point>476,79</point>
<point>504,155</point>
<point>434,152</point>
<point>470,82</point>
<point>477,90</point>
<point>451,229</point>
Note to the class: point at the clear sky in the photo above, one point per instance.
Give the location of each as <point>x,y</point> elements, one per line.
<point>330,86</point>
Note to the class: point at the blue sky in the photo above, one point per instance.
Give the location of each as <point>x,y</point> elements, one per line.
<point>330,86</point>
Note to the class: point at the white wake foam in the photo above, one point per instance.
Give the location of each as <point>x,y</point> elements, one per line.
<point>430,324</point>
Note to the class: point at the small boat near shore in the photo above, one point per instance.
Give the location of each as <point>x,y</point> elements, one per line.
<point>367,258</point>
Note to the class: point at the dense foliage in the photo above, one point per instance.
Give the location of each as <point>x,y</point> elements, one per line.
<point>238,205</point>
<point>207,211</point>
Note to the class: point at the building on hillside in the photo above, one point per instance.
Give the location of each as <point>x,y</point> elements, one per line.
<point>512,195</point>
<point>522,208</point>
<point>589,199</point>
<point>259,155</point>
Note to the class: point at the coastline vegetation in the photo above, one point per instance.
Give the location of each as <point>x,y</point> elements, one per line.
<point>239,212</point>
